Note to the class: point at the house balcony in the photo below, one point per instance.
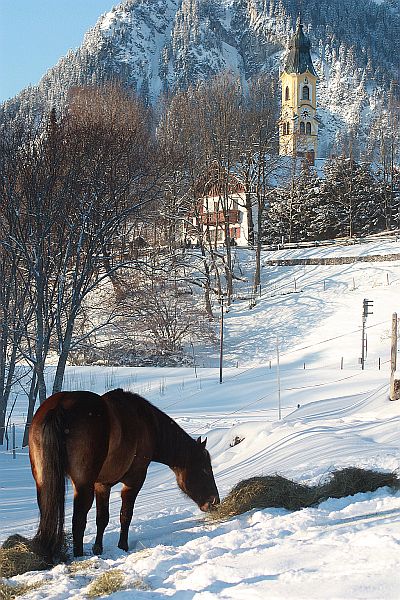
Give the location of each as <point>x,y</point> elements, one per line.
<point>214,218</point>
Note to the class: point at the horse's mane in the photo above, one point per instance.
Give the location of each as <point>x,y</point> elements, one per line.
<point>169,435</point>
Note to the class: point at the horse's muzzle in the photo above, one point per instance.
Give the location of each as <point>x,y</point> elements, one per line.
<point>210,504</point>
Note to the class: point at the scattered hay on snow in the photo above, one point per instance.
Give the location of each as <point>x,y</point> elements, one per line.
<point>107,583</point>
<point>275,491</point>
<point>8,591</point>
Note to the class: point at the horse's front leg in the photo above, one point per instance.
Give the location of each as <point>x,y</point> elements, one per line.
<point>102,493</point>
<point>83,500</point>
<point>132,485</point>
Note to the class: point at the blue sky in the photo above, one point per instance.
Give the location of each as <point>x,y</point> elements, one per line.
<point>34,34</point>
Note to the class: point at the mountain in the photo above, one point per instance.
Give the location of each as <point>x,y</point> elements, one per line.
<point>158,46</point>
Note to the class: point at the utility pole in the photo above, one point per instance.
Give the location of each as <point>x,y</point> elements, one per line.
<point>367,304</point>
<point>221,339</point>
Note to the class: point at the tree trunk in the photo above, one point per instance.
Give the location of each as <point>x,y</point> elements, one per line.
<point>62,359</point>
<point>31,408</point>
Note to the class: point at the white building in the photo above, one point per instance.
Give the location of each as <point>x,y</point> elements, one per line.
<point>216,214</point>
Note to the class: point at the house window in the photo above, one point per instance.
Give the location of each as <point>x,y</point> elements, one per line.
<point>287,93</point>
<point>308,128</point>
<point>306,92</point>
<point>302,127</point>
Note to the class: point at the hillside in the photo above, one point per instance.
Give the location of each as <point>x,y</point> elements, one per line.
<point>158,47</point>
<point>332,417</point>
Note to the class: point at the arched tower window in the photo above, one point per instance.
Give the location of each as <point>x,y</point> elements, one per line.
<point>284,129</point>
<point>302,127</point>
<point>287,128</point>
<point>287,93</point>
<point>308,128</point>
<point>306,92</point>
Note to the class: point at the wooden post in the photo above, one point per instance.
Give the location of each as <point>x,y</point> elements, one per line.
<point>394,393</point>
<point>341,363</point>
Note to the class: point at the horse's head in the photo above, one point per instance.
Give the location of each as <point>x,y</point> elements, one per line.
<point>196,478</point>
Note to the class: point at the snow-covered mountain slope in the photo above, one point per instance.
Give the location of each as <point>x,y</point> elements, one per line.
<point>331,418</point>
<point>159,46</point>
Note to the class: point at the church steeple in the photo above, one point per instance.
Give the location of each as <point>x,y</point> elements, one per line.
<point>299,57</point>
<point>298,124</point>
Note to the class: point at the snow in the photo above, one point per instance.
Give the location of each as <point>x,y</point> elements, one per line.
<point>331,418</point>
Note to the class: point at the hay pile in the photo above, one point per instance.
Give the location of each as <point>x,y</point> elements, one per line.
<point>17,556</point>
<point>274,491</point>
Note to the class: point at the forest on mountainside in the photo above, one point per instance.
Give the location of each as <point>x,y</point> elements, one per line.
<point>157,49</point>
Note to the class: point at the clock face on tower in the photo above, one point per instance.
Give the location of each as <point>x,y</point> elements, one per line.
<point>305,114</point>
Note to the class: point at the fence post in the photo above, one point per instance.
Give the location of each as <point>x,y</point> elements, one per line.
<point>341,363</point>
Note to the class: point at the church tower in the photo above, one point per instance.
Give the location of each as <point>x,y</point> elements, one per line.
<point>298,127</point>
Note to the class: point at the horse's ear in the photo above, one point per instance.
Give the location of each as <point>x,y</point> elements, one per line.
<point>203,444</point>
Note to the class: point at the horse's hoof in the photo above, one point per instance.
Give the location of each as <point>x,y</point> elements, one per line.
<point>123,546</point>
<point>97,549</point>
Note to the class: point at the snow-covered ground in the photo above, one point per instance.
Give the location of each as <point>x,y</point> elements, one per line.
<point>332,417</point>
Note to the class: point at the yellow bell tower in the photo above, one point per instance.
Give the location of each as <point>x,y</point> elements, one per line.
<point>298,126</point>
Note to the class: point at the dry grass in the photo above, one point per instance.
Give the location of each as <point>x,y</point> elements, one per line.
<point>17,557</point>
<point>8,592</point>
<point>350,481</point>
<point>140,584</point>
<point>79,566</point>
<point>274,491</point>
<point>107,583</point>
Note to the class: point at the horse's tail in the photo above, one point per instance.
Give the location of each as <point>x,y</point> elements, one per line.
<point>51,494</point>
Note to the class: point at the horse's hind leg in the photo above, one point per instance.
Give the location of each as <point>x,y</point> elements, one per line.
<point>102,514</point>
<point>83,500</point>
<point>130,489</point>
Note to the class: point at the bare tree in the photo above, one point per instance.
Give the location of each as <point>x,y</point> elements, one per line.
<point>67,188</point>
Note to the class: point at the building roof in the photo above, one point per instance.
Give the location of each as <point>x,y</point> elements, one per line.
<point>299,58</point>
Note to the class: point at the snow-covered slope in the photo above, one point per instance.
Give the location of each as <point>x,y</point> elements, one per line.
<point>158,46</point>
<point>331,418</point>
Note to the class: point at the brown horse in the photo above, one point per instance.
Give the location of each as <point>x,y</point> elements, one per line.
<point>98,441</point>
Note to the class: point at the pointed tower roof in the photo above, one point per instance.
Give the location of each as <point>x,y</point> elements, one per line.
<point>299,58</point>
